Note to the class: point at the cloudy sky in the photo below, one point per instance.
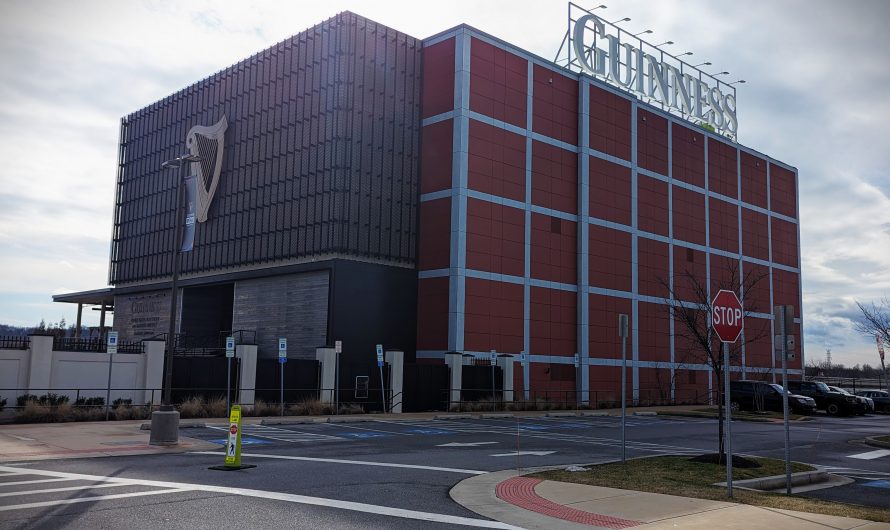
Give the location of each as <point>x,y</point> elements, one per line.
<point>816,97</point>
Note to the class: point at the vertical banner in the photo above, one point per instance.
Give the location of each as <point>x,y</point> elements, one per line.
<point>188,228</point>
<point>880,347</point>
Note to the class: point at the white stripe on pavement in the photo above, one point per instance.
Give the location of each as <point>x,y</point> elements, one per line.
<point>871,455</point>
<point>36,481</point>
<point>286,497</point>
<point>86,499</point>
<point>69,488</point>
<point>354,462</point>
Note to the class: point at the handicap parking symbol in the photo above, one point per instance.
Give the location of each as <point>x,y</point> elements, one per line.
<point>361,435</point>
<point>244,441</point>
<point>429,431</point>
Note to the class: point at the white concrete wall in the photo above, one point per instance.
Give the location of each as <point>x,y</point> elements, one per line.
<point>88,372</point>
<point>14,366</point>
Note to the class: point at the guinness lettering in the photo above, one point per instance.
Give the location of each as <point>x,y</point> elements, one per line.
<point>672,84</point>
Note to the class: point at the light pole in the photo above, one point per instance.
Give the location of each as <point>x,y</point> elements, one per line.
<point>165,422</point>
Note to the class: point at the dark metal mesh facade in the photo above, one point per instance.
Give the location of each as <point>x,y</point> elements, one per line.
<point>320,157</point>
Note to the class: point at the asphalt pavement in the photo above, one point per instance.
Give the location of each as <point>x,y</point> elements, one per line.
<point>393,473</point>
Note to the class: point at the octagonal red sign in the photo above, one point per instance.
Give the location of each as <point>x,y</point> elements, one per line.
<point>727,316</point>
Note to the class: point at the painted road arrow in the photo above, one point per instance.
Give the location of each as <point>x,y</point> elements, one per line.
<point>468,444</point>
<point>521,453</point>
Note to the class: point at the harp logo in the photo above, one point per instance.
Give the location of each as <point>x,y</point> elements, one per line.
<point>206,142</point>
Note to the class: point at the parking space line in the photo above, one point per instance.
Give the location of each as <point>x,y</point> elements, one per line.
<point>350,426</point>
<point>871,455</point>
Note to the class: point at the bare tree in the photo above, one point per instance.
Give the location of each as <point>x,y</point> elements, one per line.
<point>875,322</point>
<point>693,324</point>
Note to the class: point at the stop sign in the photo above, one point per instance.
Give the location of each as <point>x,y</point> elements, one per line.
<point>727,316</point>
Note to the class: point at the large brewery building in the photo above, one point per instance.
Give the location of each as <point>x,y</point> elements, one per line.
<point>453,194</point>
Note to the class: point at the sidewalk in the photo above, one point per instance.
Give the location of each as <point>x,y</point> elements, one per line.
<point>534,504</point>
<point>42,441</point>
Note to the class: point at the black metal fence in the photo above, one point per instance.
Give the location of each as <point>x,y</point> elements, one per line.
<point>14,343</point>
<point>95,345</point>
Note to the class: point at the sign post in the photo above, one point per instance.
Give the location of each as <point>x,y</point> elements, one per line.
<point>380,368</point>
<point>112,349</point>
<point>338,349</point>
<point>783,316</point>
<point>282,358</point>
<point>622,332</point>
<point>230,352</point>
<point>727,319</point>
<point>493,359</point>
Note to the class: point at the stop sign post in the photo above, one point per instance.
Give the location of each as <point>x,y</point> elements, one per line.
<point>727,319</point>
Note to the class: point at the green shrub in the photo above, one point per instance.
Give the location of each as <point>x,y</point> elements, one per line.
<point>310,407</point>
<point>24,399</point>
<point>121,401</point>
<point>89,402</point>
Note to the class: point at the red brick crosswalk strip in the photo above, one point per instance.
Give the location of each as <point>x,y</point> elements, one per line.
<point>520,491</point>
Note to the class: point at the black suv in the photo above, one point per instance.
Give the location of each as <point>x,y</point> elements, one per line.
<point>758,395</point>
<point>833,403</point>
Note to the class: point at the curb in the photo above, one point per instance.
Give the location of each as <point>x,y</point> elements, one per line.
<point>560,414</point>
<point>595,414</point>
<point>496,416</point>
<point>874,442</point>
<point>187,425</point>
<point>347,419</point>
<point>267,421</point>
<point>454,417</point>
<point>802,478</point>
<point>645,414</point>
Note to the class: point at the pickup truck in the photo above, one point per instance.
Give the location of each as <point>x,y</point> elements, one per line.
<point>834,403</point>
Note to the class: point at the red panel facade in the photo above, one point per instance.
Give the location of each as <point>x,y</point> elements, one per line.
<point>495,238</point>
<point>687,207</point>
<point>496,161</point>
<point>689,216</point>
<point>652,142</point>
<point>554,177</point>
<point>611,258</point>
<point>438,78</point>
<point>555,105</point>
<point>498,81</point>
<point>652,212</point>
<point>610,191</point>
<point>722,168</point>
<point>553,317</point>
<point>434,249</point>
<point>688,155</point>
<point>610,130</point>
<point>493,316</point>
<point>435,156</point>
<point>553,249</point>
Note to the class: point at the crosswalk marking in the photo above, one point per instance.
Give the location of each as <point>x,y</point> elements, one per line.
<point>35,481</point>
<point>86,499</point>
<point>281,435</point>
<point>178,487</point>
<point>55,490</point>
<point>871,455</point>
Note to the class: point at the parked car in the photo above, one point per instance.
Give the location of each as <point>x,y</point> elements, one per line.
<point>864,405</point>
<point>758,395</point>
<point>834,403</point>
<point>880,398</point>
<point>797,403</point>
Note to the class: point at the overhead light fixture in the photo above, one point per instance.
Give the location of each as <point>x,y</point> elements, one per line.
<point>625,19</point>
<point>665,42</point>
<point>708,63</point>
<point>642,33</point>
